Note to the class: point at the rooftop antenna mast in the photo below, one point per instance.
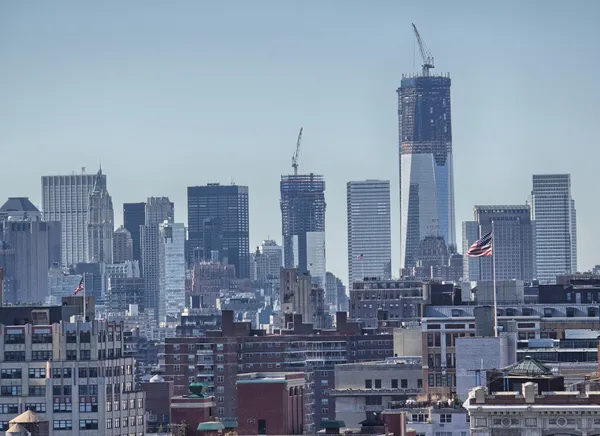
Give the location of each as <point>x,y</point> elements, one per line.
<point>426,55</point>
<point>297,153</point>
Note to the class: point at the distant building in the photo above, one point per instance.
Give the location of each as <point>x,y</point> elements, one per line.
<point>60,284</point>
<point>303,224</point>
<point>171,260</point>
<point>123,292</point>
<point>122,245</point>
<point>300,296</point>
<point>158,210</point>
<point>134,216</point>
<point>369,229</point>
<point>553,211</point>
<point>66,199</point>
<point>100,223</point>
<point>332,293</point>
<point>513,243</point>
<point>218,226</point>
<point>19,208</point>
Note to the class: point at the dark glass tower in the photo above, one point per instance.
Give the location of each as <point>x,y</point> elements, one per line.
<point>426,169</point>
<point>303,224</point>
<point>134,216</point>
<point>218,225</point>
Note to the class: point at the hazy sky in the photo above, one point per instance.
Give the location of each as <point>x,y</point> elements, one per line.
<point>176,93</point>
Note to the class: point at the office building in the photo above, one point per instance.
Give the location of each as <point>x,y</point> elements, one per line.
<point>209,280</point>
<point>134,216</point>
<point>513,243</point>
<point>369,229</point>
<point>266,263</point>
<point>19,208</point>
<point>553,211</point>
<point>100,224</point>
<point>66,199</point>
<point>171,259</point>
<point>158,210</point>
<point>303,224</point>
<point>122,245</point>
<point>72,376</point>
<point>426,168</point>
<point>218,226</point>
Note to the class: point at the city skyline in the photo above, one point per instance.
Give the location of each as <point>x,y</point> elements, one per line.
<point>480,112</point>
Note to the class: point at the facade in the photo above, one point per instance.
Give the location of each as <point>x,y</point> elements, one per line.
<point>209,281</point>
<point>513,243</point>
<point>19,208</point>
<point>134,216</point>
<point>60,285</point>
<point>369,229</point>
<point>171,259</point>
<point>531,413</point>
<point>27,272</point>
<point>271,403</point>
<point>553,211</point>
<point>363,390</point>
<point>303,224</point>
<point>218,357</point>
<point>426,168</point>
<point>66,199</point>
<point>100,223</point>
<point>72,375</point>
<point>123,292</point>
<point>158,210</point>
<point>300,296</point>
<point>218,226</point>
<point>122,246</point>
<point>267,263</point>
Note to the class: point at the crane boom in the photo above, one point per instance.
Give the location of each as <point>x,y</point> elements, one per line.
<point>426,55</point>
<point>297,153</point>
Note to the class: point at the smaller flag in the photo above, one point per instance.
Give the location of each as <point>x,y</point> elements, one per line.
<point>79,287</point>
<point>360,257</point>
<point>481,247</point>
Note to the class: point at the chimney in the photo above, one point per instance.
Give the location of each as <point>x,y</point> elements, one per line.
<point>341,319</point>
<point>479,395</point>
<point>529,391</point>
<point>227,322</point>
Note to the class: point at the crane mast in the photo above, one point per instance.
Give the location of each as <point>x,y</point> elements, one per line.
<point>426,55</point>
<point>297,153</point>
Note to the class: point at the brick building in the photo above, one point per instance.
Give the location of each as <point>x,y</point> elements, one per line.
<point>217,358</point>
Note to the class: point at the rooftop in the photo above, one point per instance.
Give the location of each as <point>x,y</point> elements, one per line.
<point>528,367</point>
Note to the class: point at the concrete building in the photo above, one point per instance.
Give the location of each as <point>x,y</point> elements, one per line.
<point>218,225</point>
<point>514,251</point>
<point>66,199</point>
<point>369,229</point>
<point>529,412</point>
<point>553,211</point>
<point>171,260</point>
<point>72,375</point>
<point>122,246</point>
<point>60,284</point>
<point>270,403</point>
<point>209,281</point>
<point>190,412</point>
<point>100,223</point>
<point>332,293</point>
<point>123,292</point>
<point>303,225</point>
<point>300,296</point>
<point>364,390</point>
<point>426,167</point>
<point>134,216</point>
<point>158,210</point>
<point>266,266</point>
<point>430,418</point>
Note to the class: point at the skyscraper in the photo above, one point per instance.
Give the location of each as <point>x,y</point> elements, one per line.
<point>100,224</point>
<point>303,224</point>
<point>66,199</point>
<point>426,169</point>
<point>171,259</point>
<point>369,229</point>
<point>158,210</point>
<point>553,211</point>
<point>134,216</point>
<point>513,244</point>
<point>218,226</point>
<point>122,245</point>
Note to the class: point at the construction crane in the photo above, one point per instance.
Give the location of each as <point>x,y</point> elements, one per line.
<point>426,55</point>
<point>297,153</point>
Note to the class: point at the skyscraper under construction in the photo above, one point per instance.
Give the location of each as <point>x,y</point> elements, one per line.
<point>426,169</point>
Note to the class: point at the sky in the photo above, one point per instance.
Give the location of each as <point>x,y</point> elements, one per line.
<point>172,94</point>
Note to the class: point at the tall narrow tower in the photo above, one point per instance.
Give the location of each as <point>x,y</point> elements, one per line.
<point>100,224</point>
<point>426,169</point>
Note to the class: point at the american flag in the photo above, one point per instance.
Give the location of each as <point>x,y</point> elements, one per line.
<point>360,257</point>
<point>481,247</point>
<point>79,287</point>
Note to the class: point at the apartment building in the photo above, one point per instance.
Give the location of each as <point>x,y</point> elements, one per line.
<point>74,376</point>
<point>217,358</point>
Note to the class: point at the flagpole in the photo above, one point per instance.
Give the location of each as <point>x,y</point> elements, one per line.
<point>494,279</point>
<point>362,267</point>
<point>83,277</point>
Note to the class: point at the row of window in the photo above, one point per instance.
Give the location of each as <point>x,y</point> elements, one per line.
<point>124,422</point>
<point>124,404</point>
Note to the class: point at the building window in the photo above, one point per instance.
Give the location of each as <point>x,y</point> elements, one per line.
<point>368,384</point>
<point>108,424</point>
<point>71,354</point>
<point>36,407</point>
<point>14,356</point>
<point>430,380</point>
<point>378,384</point>
<point>140,403</point>
<point>37,391</point>
<point>37,372</point>
<point>63,425</point>
<point>445,418</point>
<point>394,383</point>
<point>220,400</point>
<point>140,420</point>
<point>10,374</point>
<point>9,408</point>
<point>220,379</point>
<point>220,410</point>
<point>404,383</point>
<point>10,391</point>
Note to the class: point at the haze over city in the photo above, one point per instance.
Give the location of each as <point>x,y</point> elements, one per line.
<point>173,95</point>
